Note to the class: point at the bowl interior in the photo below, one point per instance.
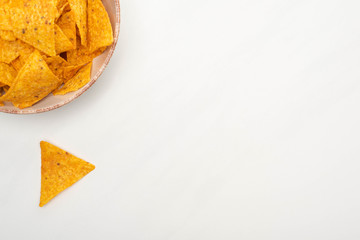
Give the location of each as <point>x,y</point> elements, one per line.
<point>52,102</point>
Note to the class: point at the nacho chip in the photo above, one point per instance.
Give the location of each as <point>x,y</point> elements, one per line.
<point>98,21</point>
<point>60,6</point>
<point>57,65</point>
<point>33,23</point>
<point>16,64</point>
<point>62,43</point>
<point>67,24</point>
<point>33,82</point>
<point>7,74</point>
<point>77,82</point>
<point>70,71</point>
<point>3,2</point>
<point>81,55</point>
<point>79,7</point>
<point>25,51</point>
<point>9,50</point>
<point>5,23</point>
<point>59,170</point>
<point>7,35</point>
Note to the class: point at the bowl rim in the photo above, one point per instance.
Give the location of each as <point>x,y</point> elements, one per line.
<point>88,85</point>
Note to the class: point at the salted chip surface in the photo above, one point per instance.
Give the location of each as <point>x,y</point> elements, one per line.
<point>9,50</point>
<point>79,7</point>
<point>60,7</point>
<point>7,74</point>
<point>33,82</point>
<point>81,55</point>
<point>67,24</point>
<point>62,43</point>
<point>78,81</point>
<point>57,65</point>
<point>59,170</point>
<point>5,21</point>
<point>98,21</point>
<point>33,23</point>
<point>7,35</point>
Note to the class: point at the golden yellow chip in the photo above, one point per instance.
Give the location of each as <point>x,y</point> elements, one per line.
<point>33,23</point>
<point>79,7</point>
<point>7,35</point>
<point>70,71</point>
<point>3,2</point>
<point>16,64</point>
<point>98,21</point>
<point>60,6</point>
<point>81,55</point>
<point>57,65</point>
<point>7,74</point>
<point>62,43</point>
<point>77,82</point>
<point>67,24</point>
<point>5,22</point>
<point>59,170</point>
<point>9,50</point>
<point>33,82</point>
<point>25,51</point>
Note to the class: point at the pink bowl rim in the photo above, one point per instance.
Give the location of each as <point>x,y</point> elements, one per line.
<point>86,87</point>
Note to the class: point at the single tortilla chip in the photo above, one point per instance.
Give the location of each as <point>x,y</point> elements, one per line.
<point>79,7</point>
<point>33,23</point>
<point>81,55</point>
<point>7,35</point>
<point>7,74</point>
<point>67,24</point>
<point>62,43</point>
<point>9,50</point>
<point>57,65</point>
<point>59,170</point>
<point>33,82</point>
<point>77,82</point>
<point>98,22</point>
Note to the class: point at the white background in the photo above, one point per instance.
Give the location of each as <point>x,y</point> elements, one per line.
<point>214,120</point>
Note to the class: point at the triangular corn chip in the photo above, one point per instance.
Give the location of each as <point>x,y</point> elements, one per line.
<point>62,43</point>
<point>81,55</point>
<point>98,21</point>
<point>77,82</point>
<point>33,23</point>
<point>59,170</point>
<point>7,74</point>
<point>33,82</point>
<point>79,7</point>
<point>57,65</point>
<point>67,24</point>
<point>60,6</point>
<point>9,50</point>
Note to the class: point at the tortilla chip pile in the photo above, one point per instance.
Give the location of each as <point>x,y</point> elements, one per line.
<point>47,46</point>
<point>59,170</point>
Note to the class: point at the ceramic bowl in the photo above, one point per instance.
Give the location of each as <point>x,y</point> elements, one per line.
<point>99,64</point>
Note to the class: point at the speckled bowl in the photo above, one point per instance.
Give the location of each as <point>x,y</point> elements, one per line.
<point>99,64</point>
